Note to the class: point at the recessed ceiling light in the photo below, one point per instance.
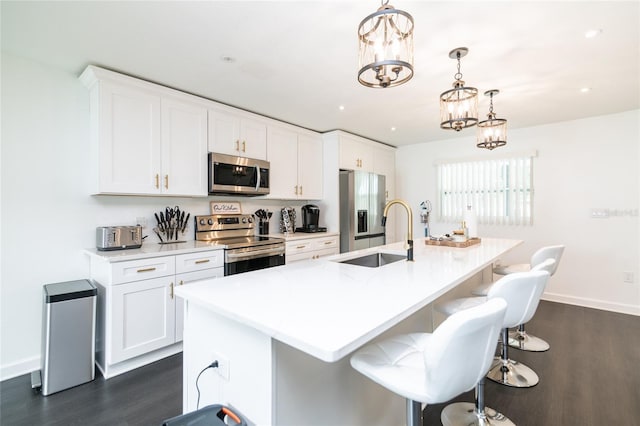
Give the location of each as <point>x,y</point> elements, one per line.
<point>341,107</point>
<point>593,33</point>
<point>228,59</point>
<point>585,90</point>
<point>393,129</point>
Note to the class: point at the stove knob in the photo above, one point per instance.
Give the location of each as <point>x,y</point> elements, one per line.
<point>250,220</point>
<point>210,221</point>
<point>202,222</point>
<point>244,220</point>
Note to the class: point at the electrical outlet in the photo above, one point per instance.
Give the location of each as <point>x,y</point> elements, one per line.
<point>223,365</point>
<point>628,277</point>
<point>600,213</point>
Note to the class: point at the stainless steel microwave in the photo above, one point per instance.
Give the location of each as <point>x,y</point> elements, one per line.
<point>229,175</point>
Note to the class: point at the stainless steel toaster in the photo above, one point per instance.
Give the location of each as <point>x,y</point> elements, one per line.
<point>118,237</point>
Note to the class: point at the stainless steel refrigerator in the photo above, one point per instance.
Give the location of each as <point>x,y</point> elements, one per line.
<point>362,198</point>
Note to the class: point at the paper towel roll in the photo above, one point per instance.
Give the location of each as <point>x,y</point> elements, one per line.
<point>471,221</point>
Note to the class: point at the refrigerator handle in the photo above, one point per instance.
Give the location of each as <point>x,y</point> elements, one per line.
<point>362,221</point>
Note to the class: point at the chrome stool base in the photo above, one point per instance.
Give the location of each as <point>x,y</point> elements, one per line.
<point>512,373</point>
<point>464,413</point>
<point>519,339</point>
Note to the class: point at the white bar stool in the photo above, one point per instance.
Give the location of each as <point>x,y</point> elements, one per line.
<point>522,292</point>
<point>434,367</point>
<point>519,338</point>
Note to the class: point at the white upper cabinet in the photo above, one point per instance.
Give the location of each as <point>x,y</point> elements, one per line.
<point>145,139</point>
<point>126,126</point>
<point>296,164</point>
<point>184,148</point>
<point>310,166</point>
<point>282,154</point>
<point>237,133</point>
<point>355,154</point>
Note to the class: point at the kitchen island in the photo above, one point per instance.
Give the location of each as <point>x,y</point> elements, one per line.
<point>282,336</point>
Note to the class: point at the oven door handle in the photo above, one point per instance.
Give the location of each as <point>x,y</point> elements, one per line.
<point>253,254</point>
<point>258,180</point>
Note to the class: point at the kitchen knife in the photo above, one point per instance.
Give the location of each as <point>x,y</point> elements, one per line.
<point>158,234</point>
<point>184,224</point>
<point>158,220</point>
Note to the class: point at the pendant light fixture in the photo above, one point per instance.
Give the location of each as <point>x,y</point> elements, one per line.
<point>458,106</point>
<point>385,40</point>
<point>492,132</point>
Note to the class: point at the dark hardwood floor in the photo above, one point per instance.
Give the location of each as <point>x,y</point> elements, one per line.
<point>590,376</point>
<point>145,396</point>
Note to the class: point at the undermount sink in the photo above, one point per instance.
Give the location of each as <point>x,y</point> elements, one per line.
<point>375,260</point>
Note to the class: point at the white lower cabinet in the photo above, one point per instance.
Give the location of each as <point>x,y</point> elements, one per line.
<point>312,248</point>
<point>139,318</point>
<point>143,318</point>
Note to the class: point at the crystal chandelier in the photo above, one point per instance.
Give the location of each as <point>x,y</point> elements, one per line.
<point>458,106</point>
<point>385,40</point>
<point>492,132</point>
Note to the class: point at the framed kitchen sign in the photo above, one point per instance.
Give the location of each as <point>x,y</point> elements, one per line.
<point>227,207</point>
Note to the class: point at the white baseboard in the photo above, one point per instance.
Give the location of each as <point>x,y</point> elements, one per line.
<point>28,365</point>
<point>25,366</point>
<point>622,308</point>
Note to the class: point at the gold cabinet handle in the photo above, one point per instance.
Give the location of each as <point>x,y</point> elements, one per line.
<point>328,242</point>
<point>157,181</point>
<point>296,190</point>
<point>171,290</point>
<point>238,145</point>
<point>300,189</point>
<point>166,181</point>
<point>244,146</point>
<point>197,262</point>
<point>181,282</point>
<point>300,247</point>
<point>147,269</point>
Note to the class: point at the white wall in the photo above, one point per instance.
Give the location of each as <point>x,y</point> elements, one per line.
<point>582,164</point>
<point>47,214</point>
<point>48,218</point>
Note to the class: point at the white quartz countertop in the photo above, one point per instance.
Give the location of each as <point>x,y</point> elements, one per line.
<point>328,309</point>
<point>150,249</point>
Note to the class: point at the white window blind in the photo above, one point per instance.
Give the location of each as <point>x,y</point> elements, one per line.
<point>499,190</point>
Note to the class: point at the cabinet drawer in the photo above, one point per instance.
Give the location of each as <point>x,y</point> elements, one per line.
<point>198,261</point>
<point>143,269</point>
<point>325,243</point>
<point>299,246</point>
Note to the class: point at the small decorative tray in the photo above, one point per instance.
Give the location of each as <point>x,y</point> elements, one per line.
<point>447,243</point>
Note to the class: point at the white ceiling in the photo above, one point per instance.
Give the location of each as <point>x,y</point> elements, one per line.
<point>296,60</point>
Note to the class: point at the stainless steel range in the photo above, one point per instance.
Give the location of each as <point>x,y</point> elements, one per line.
<point>244,250</point>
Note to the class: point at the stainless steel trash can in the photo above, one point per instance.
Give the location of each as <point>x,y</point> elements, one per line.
<point>68,335</point>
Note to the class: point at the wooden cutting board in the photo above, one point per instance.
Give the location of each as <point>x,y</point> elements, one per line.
<point>469,242</point>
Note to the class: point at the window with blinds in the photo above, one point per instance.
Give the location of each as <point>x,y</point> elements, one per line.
<point>500,190</point>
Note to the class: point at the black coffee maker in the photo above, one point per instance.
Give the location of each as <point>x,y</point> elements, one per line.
<point>310,219</point>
